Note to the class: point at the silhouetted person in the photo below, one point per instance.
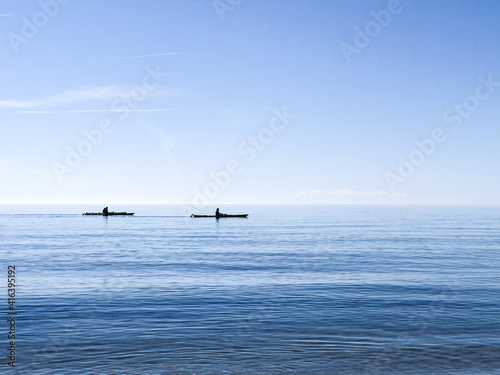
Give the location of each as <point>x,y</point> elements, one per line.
<point>105,211</point>
<point>217,214</point>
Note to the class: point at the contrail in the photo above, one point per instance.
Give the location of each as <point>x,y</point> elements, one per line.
<point>112,110</point>
<point>132,57</point>
<point>49,112</point>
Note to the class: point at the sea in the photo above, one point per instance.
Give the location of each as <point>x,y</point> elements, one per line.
<point>291,289</point>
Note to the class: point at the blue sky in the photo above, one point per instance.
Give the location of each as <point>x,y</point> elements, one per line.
<point>249,102</point>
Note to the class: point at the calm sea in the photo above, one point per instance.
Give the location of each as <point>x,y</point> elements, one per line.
<point>289,290</point>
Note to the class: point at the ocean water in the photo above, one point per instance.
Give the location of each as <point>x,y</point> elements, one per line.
<point>289,290</point>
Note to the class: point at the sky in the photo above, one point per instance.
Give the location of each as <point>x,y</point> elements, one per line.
<point>205,102</point>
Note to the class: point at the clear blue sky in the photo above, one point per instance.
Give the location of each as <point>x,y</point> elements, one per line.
<point>67,68</point>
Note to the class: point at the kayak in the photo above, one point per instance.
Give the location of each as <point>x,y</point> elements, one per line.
<point>220,216</point>
<point>110,213</point>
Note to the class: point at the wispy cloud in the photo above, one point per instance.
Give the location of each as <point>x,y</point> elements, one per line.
<point>68,97</point>
<point>131,57</point>
<point>5,15</point>
<point>346,193</point>
<point>77,97</point>
<point>106,110</point>
<point>50,112</point>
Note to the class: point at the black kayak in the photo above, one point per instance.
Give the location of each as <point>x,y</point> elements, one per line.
<point>109,213</point>
<point>220,216</point>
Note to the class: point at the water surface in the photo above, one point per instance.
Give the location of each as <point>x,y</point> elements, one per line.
<point>289,290</point>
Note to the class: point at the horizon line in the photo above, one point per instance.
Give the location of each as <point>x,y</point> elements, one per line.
<point>244,203</point>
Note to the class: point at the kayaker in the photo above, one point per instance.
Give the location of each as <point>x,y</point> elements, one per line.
<point>217,214</point>
<point>105,211</point>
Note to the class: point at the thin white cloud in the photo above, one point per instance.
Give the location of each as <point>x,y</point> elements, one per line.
<point>104,110</point>
<point>132,57</point>
<point>79,96</point>
<point>6,15</point>
<point>49,112</point>
<point>68,97</point>
<point>346,193</point>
